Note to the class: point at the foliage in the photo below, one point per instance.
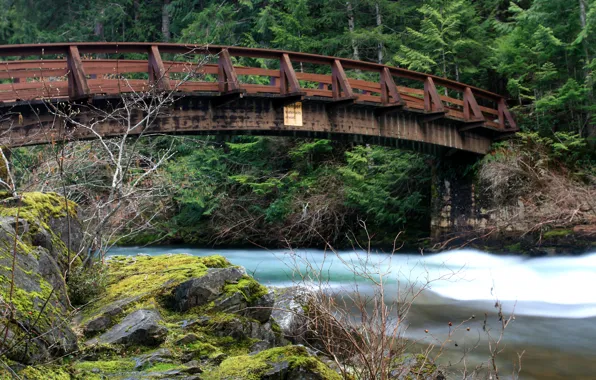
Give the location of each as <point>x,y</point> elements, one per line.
<point>86,284</point>
<point>539,52</point>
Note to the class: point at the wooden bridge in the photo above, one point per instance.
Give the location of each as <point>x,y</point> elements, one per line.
<point>275,93</point>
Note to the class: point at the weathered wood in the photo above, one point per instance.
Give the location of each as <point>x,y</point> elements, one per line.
<point>228,79</point>
<point>77,81</point>
<point>340,85</point>
<point>505,115</point>
<point>158,76</point>
<point>35,79</point>
<point>389,89</point>
<point>289,81</point>
<point>471,107</point>
<point>432,99</point>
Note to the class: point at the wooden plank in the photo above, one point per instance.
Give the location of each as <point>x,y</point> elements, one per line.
<point>340,85</point>
<point>43,73</point>
<point>289,82</point>
<point>258,88</point>
<point>472,112</point>
<point>228,79</point>
<point>158,76</point>
<point>432,99</point>
<point>389,92</point>
<point>77,81</point>
<point>319,78</point>
<point>257,71</point>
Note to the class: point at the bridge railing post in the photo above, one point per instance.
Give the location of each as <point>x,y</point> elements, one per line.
<point>471,107</point>
<point>77,80</point>
<point>228,80</point>
<point>505,115</point>
<point>432,99</point>
<point>158,75</point>
<point>389,89</point>
<point>339,82</point>
<point>288,80</point>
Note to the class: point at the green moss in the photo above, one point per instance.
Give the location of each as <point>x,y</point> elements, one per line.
<point>250,288</point>
<point>203,349</point>
<point>253,367</point>
<point>161,367</point>
<point>40,207</point>
<point>107,366</point>
<point>44,373</point>
<point>557,233</point>
<point>134,276</point>
<point>514,248</point>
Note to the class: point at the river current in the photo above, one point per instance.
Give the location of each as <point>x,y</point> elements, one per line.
<point>553,300</point>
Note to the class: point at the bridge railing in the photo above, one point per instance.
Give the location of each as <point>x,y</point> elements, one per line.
<point>82,70</point>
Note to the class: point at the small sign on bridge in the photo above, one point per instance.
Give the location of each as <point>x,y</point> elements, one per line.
<point>293,115</point>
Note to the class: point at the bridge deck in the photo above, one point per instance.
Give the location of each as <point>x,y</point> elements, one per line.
<point>79,71</point>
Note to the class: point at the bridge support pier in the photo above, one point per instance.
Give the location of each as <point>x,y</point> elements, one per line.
<point>457,206</point>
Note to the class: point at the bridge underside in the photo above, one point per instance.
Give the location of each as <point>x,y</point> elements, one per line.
<point>32,123</point>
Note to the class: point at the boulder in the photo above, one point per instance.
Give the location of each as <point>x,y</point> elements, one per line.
<point>202,290</point>
<point>39,286</point>
<point>141,327</point>
<point>281,363</point>
<point>289,312</point>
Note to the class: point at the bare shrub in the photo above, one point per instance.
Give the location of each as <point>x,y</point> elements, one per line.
<point>363,331</point>
<point>531,172</point>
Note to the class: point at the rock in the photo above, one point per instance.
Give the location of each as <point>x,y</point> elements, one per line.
<point>103,319</point>
<point>142,327</point>
<point>162,355</point>
<point>39,285</point>
<point>187,339</point>
<point>287,363</point>
<point>193,367</point>
<point>241,328</point>
<point>288,312</point>
<point>97,325</point>
<point>259,346</point>
<point>261,309</point>
<point>199,291</point>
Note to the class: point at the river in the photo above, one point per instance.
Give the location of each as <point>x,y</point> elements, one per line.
<point>553,299</point>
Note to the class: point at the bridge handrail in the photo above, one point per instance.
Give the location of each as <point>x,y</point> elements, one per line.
<point>473,113</point>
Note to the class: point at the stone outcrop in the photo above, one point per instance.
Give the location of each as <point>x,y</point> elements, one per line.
<point>37,307</point>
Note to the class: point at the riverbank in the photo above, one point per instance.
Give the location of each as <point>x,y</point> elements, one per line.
<point>554,322</point>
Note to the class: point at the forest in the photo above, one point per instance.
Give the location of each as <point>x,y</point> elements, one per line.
<point>271,191</point>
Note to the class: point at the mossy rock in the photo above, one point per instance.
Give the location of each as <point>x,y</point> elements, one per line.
<point>38,298</point>
<point>291,362</point>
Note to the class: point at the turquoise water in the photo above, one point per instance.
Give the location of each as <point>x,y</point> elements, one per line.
<point>553,299</point>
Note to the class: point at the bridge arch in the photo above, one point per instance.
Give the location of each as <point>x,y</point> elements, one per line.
<point>304,95</point>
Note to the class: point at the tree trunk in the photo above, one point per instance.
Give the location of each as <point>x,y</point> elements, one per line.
<point>379,24</point>
<point>590,127</point>
<point>350,10</point>
<point>165,21</point>
<point>136,9</point>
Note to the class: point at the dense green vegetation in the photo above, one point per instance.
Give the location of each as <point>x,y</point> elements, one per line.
<point>539,52</point>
